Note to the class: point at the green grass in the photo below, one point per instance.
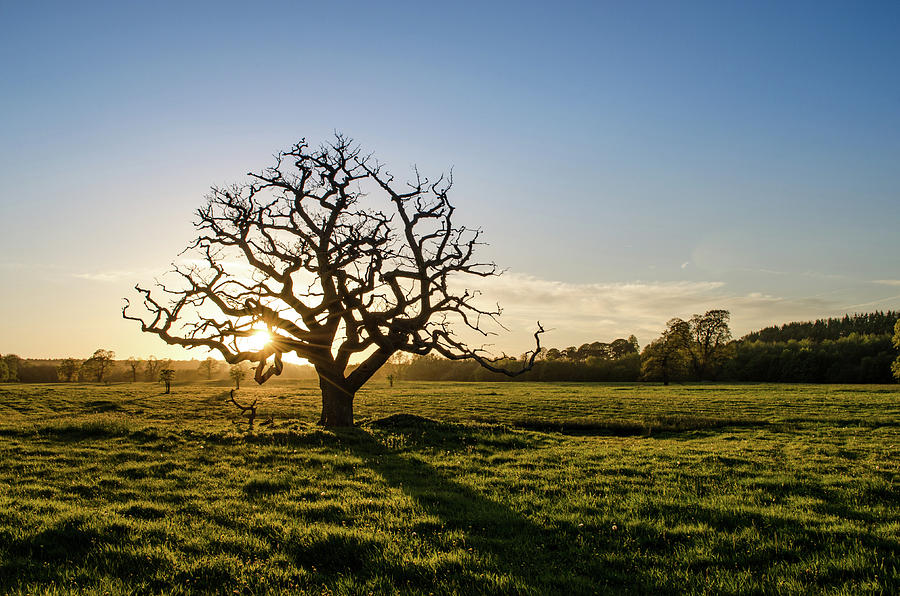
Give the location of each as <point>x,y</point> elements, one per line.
<point>452,488</point>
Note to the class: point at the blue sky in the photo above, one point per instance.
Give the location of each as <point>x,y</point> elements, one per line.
<point>628,162</point>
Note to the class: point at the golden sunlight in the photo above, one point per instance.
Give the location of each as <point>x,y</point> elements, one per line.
<point>257,341</point>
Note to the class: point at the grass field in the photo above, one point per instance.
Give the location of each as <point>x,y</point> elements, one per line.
<point>512,488</point>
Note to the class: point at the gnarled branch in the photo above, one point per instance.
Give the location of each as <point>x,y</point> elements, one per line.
<point>333,258</point>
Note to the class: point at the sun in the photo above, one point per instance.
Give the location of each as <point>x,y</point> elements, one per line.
<point>257,341</point>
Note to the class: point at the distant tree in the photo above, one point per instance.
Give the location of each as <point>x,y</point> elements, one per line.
<point>895,367</point>
<point>152,368</point>
<point>582,353</point>
<point>665,357</point>
<point>164,363</point>
<point>13,363</point>
<point>621,347</point>
<point>133,364</point>
<point>67,371</point>
<point>552,354</point>
<point>98,366</point>
<point>634,344</point>
<point>238,372</point>
<point>208,367</point>
<point>4,371</point>
<point>597,349</point>
<point>395,365</point>
<point>705,338</point>
<point>167,375</point>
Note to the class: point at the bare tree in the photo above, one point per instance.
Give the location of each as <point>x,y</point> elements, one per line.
<point>152,368</point>
<point>208,367</point>
<point>345,264</point>
<point>133,364</point>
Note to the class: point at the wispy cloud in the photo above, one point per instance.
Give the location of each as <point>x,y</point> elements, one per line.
<point>587,312</point>
<point>887,282</point>
<point>119,275</point>
<point>105,276</point>
<point>238,269</point>
<point>810,274</point>
<point>877,303</point>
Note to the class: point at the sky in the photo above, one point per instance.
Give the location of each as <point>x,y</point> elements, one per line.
<point>628,162</point>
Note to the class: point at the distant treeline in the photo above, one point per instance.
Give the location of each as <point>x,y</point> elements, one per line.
<point>873,323</point>
<point>852,359</point>
<point>856,348</point>
<point>433,368</point>
<point>29,370</point>
<point>859,348</point>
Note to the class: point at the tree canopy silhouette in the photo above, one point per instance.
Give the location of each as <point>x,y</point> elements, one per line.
<point>334,259</point>
<point>99,365</point>
<point>705,339</point>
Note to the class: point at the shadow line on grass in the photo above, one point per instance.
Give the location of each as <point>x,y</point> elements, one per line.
<point>666,425</point>
<point>525,554</point>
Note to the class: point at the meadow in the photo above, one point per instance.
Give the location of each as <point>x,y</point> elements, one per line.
<point>446,488</point>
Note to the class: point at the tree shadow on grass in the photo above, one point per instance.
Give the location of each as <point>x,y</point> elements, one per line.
<point>521,555</point>
<point>673,426</point>
<point>72,548</point>
<point>787,539</point>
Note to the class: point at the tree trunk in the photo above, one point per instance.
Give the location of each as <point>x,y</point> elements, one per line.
<point>337,403</point>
